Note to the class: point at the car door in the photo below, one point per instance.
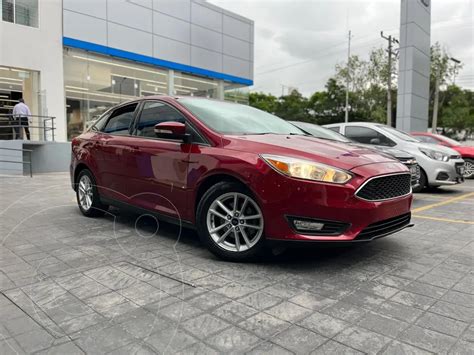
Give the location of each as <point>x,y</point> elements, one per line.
<point>160,166</point>
<point>113,147</point>
<point>367,135</point>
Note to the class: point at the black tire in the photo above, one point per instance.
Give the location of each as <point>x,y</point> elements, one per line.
<point>423,182</point>
<point>469,162</point>
<point>97,208</point>
<point>210,196</point>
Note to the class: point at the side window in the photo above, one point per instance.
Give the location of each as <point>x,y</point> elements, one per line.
<point>154,112</point>
<point>99,124</point>
<point>367,135</point>
<point>335,129</point>
<point>120,120</point>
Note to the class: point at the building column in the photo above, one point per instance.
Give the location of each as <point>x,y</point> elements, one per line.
<point>414,66</point>
<point>171,82</point>
<point>220,90</point>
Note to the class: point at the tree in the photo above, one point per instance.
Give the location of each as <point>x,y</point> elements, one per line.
<point>265,102</point>
<point>293,107</point>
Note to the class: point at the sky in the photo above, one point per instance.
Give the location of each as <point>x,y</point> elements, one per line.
<point>299,42</point>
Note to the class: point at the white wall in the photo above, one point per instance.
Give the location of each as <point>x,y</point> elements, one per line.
<point>40,49</point>
<point>190,32</point>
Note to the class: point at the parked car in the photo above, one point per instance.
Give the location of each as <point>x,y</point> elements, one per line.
<point>467,153</point>
<point>324,133</point>
<point>239,175</point>
<point>439,165</point>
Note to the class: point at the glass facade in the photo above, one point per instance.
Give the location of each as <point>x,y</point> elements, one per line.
<point>94,83</point>
<point>21,12</point>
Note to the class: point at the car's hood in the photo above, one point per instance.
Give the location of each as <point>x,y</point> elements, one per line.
<point>338,154</point>
<point>397,153</point>
<point>439,148</point>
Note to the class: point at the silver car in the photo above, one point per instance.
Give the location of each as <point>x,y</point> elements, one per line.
<point>439,165</point>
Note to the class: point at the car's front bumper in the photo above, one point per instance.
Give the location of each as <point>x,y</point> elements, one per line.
<point>282,197</point>
<point>445,173</point>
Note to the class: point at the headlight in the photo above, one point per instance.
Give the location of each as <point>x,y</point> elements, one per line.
<point>434,154</point>
<point>306,169</point>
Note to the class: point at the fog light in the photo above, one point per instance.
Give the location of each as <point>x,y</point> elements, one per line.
<point>307,225</point>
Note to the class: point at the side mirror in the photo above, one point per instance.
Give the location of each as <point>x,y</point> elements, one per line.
<point>172,130</point>
<point>375,141</point>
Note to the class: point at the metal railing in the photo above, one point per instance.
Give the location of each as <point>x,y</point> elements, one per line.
<point>41,127</point>
<point>22,161</point>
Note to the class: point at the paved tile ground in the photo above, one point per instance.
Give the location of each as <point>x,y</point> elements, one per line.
<point>72,285</point>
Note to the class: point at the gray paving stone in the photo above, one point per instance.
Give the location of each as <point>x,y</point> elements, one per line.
<point>427,339</point>
<point>299,340</point>
<point>234,312</point>
<point>345,311</point>
<point>425,289</point>
<point>234,290</point>
<point>209,300</point>
<point>260,300</point>
<point>396,348</point>
<point>389,327</point>
<point>288,311</point>
<point>170,340</point>
<point>179,311</point>
<point>35,340</point>
<point>234,339</point>
<point>441,324</point>
<point>312,301</point>
<point>10,347</point>
<point>324,324</point>
<point>198,349</point>
<point>465,314</point>
<point>264,325</point>
<point>332,347</point>
<point>362,340</point>
<point>68,348</point>
<point>269,348</point>
<point>459,298</point>
<point>76,324</point>
<point>399,311</point>
<point>413,300</point>
<point>462,348</point>
<point>204,325</point>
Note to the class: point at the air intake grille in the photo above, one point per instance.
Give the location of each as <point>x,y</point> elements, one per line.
<point>385,187</point>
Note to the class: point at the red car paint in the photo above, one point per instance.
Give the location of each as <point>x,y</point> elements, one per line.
<point>165,176</point>
<point>464,151</point>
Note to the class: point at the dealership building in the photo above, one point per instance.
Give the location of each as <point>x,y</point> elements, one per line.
<point>73,59</point>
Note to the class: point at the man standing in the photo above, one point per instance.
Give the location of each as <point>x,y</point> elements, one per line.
<point>22,114</point>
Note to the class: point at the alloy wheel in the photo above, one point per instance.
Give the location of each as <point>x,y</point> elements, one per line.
<point>468,169</point>
<point>235,222</point>
<point>85,192</point>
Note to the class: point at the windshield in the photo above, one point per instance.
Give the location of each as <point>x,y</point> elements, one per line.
<point>447,139</point>
<point>399,134</point>
<point>321,132</point>
<point>230,118</point>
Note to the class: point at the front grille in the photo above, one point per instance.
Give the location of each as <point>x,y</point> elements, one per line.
<point>459,168</point>
<point>385,227</point>
<point>385,187</point>
<point>454,157</point>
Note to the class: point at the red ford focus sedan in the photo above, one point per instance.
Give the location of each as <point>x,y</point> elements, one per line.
<point>239,175</point>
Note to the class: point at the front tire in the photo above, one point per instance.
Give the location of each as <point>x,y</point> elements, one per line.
<point>423,182</point>
<point>87,196</point>
<point>230,223</point>
<point>468,168</point>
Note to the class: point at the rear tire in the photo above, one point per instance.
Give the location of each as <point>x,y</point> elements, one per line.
<point>423,182</point>
<point>87,196</point>
<point>230,223</point>
<point>469,168</point>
